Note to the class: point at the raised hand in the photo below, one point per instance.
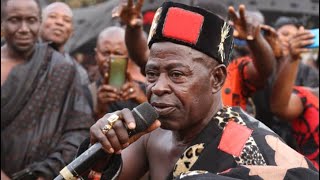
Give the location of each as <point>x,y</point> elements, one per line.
<point>272,38</point>
<point>245,27</point>
<point>298,43</point>
<point>129,13</point>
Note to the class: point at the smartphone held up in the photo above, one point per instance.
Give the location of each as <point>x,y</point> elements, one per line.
<point>315,32</point>
<point>117,71</point>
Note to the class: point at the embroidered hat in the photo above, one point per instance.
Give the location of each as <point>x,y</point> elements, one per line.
<point>193,27</point>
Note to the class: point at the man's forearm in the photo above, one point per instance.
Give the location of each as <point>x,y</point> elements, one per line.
<point>263,57</point>
<point>136,42</point>
<point>283,85</point>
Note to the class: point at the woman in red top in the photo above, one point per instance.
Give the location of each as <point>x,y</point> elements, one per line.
<point>299,105</point>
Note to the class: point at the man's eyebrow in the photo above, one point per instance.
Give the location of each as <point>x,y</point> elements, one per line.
<point>151,66</point>
<point>177,65</point>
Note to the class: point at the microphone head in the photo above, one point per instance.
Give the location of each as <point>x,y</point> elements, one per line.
<point>144,115</point>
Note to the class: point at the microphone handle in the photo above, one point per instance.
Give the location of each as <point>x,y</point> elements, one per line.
<point>82,163</point>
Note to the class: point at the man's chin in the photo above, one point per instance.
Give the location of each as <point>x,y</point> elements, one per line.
<point>24,48</point>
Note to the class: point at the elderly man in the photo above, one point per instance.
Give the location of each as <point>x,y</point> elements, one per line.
<point>198,136</point>
<point>246,74</point>
<point>56,28</point>
<point>44,115</point>
<point>107,98</point>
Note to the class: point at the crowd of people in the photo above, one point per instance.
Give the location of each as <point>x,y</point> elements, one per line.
<point>235,98</point>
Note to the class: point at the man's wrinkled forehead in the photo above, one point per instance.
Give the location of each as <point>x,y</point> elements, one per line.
<point>111,35</point>
<point>12,5</point>
<point>164,49</point>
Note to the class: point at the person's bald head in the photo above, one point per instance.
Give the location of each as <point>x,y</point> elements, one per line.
<point>111,41</point>
<point>113,34</point>
<point>58,6</point>
<point>4,6</point>
<point>57,26</point>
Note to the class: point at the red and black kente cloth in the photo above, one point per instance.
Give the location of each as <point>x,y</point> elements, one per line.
<point>306,126</point>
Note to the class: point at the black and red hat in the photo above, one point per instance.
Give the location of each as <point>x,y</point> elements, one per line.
<point>194,27</point>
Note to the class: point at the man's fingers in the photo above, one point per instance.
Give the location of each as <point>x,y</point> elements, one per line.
<point>121,132</point>
<point>242,12</point>
<point>128,118</point>
<point>139,5</point>
<point>304,50</point>
<point>106,95</point>
<point>98,136</point>
<point>130,3</point>
<point>113,139</point>
<point>268,30</point>
<point>302,44</point>
<point>232,13</point>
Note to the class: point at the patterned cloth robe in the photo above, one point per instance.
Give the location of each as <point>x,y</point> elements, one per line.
<point>44,115</point>
<point>236,146</point>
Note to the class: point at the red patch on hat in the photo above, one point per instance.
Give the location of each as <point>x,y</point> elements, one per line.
<point>183,25</point>
<point>234,138</point>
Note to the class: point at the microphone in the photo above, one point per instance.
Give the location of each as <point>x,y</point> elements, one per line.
<point>144,116</point>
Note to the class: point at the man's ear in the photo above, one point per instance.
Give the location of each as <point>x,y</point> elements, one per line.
<point>218,77</point>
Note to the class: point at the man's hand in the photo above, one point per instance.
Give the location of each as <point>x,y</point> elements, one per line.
<point>107,94</point>
<point>117,138</point>
<point>271,35</point>
<point>245,27</point>
<point>298,43</point>
<point>132,90</point>
<point>129,13</point>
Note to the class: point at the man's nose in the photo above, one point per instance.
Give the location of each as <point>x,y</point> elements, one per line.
<point>161,86</point>
<point>24,28</point>
<point>59,21</point>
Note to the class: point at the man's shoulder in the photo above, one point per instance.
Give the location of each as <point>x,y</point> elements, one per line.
<point>158,136</point>
<point>250,121</point>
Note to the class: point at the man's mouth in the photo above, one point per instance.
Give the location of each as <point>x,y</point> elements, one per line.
<point>23,40</point>
<point>57,32</point>
<point>163,109</point>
